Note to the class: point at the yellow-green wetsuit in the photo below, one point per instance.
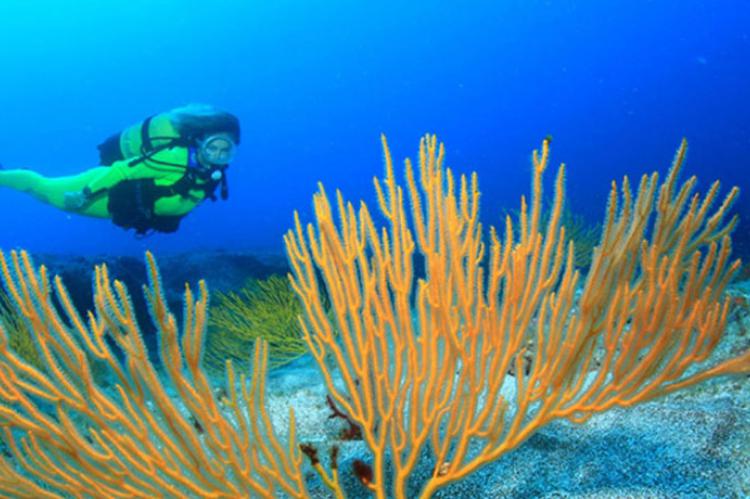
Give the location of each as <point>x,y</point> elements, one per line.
<point>166,167</point>
<point>151,180</point>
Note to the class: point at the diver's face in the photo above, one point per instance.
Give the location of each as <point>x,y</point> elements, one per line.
<point>216,150</point>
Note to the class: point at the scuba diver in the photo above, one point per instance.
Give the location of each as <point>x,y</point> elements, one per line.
<point>151,175</point>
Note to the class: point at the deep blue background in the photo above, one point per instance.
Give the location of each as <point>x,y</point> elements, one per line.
<point>616,83</point>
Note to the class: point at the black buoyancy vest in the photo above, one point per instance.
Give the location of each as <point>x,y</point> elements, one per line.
<point>131,202</point>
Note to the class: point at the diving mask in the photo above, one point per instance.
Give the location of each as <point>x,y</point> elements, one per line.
<point>217,150</point>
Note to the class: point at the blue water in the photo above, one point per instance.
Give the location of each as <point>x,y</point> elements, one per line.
<point>617,84</point>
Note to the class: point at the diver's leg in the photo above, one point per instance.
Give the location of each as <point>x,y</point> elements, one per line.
<point>50,190</point>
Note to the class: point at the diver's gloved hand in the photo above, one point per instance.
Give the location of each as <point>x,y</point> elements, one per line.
<point>75,200</point>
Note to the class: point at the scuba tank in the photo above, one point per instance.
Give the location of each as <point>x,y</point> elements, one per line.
<point>183,127</point>
<point>140,140</point>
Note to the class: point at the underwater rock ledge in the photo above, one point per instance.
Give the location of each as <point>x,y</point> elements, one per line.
<point>222,271</point>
